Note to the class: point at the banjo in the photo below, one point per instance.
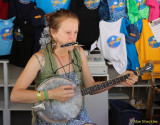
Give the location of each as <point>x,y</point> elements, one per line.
<point>61,112</point>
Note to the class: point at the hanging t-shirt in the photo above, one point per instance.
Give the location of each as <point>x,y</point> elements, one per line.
<point>3,10</point>
<point>112,44</point>
<point>154,12</point>
<point>49,6</point>
<point>6,36</point>
<point>104,10</point>
<point>132,56</point>
<point>37,20</point>
<point>117,9</point>
<point>137,10</point>
<point>21,9</point>
<point>23,40</point>
<point>148,48</point>
<point>87,12</point>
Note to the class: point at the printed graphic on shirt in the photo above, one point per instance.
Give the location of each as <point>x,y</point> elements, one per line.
<point>116,5</point>
<point>7,33</point>
<point>25,1</point>
<point>57,4</point>
<point>153,43</point>
<point>114,41</point>
<point>141,4</point>
<point>18,34</point>
<point>92,4</point>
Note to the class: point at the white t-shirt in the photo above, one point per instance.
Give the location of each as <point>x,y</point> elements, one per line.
<point>112,44</point>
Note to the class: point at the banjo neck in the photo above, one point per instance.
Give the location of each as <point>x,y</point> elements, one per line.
<point>106,84</point>
<point>61,112</point>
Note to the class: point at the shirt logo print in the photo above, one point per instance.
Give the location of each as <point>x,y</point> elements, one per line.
<point>114,41</point>
<point>141,4</point>
<point>7,34</point>
<point>116,6</point>
<point>153,43</point>
<point>58,4</point>
<point>92,4</point>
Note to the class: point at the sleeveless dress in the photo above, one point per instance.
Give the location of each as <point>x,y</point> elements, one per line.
<point>74,75</point>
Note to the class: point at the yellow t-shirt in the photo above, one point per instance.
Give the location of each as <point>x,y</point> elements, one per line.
<point>148,49</point>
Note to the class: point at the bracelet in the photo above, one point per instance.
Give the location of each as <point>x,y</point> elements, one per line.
<point>46,94</point>
<point>39,96</point>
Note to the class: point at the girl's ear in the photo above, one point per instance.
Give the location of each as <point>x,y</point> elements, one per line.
<point>52,32</point>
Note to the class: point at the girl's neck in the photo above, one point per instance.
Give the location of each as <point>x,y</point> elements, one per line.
<point>61,52</point>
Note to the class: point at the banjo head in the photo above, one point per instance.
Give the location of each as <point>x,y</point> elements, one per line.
<point>53,111</point>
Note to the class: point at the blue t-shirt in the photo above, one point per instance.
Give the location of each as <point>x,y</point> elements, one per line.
<point>6,36</point>
<point>104,10</point>
<point>49,6</point>
<point>117,9</point>
<point>132,56</point>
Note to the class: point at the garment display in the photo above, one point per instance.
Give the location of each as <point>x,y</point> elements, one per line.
<point>112,44</point>
<point>20,9</point>
<point>49,6</point>
<point>89,21</point>
<point>37,20</point>
<point>137,10</point>
<point>131,38</point>
<point>3,10</point>
<point>23,40</point>
<point>154,11</point>
<point>117,9</point>
<point>6,39</point>
<point>148,48</point>
<point>104,10</point>
<point>90,12</point>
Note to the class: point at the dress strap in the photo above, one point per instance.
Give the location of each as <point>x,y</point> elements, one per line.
<point>39,62</point>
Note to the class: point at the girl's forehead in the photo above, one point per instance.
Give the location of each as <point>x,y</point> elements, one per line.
<point>69,24</point>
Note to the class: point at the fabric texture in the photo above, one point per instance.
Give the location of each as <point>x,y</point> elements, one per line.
<point>154,12</point>
<point>24,10</point>
<point>148,49</point>
<point>132,56</point>
<point>131,31</point>
<point>37,20</point>
<point>6,39</point>
<point>133,34</point>
<point>117,9</point>
<point>104,10</point>
<point>112,44</point>
<point>49,6</point>
<point>89,21</point>
<point>37,17</point>
<point>23,40</point>
<point>137,10</point>
<point>4,10</point>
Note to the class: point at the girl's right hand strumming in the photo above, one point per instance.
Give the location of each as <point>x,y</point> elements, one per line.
<point>62,93</point>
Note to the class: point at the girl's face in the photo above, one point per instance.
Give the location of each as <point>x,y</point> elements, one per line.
<point>66,33</point>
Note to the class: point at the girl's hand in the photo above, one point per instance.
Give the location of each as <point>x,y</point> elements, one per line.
<point>131,80</point>
<point>62,93</point>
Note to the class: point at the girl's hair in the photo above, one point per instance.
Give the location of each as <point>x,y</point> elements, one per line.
<point>54,19</point>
